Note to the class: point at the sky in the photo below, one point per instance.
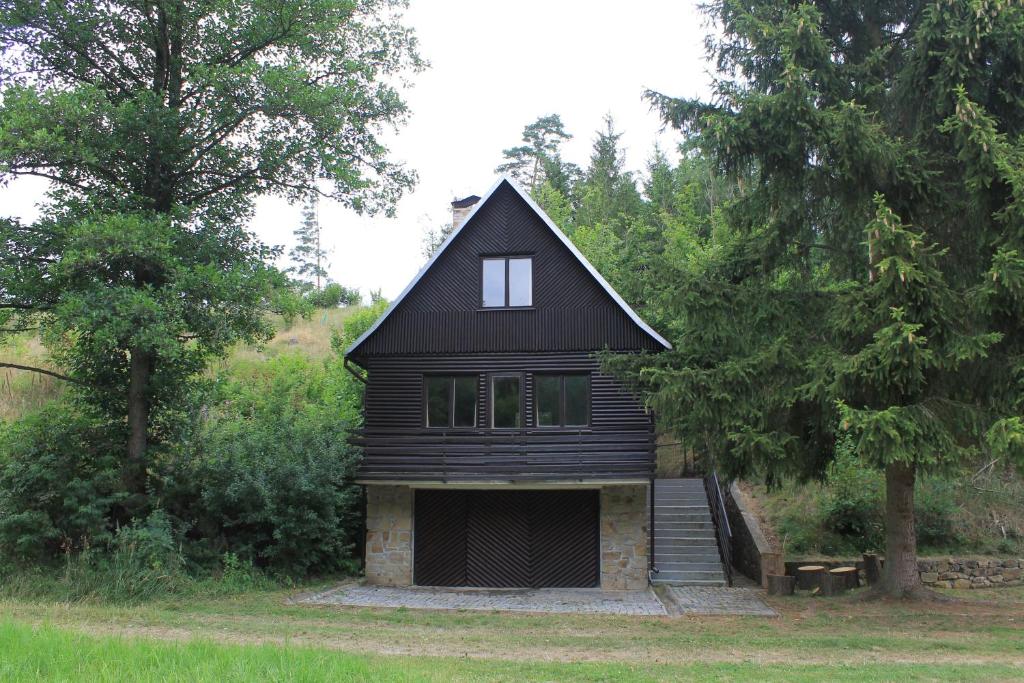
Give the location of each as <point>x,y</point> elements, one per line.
<point>494,67</point>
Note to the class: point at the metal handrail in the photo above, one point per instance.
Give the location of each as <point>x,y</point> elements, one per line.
<point>721,520</point>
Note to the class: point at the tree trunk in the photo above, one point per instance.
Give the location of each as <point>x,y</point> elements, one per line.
<point>900,575</point>
<point>138,420</point>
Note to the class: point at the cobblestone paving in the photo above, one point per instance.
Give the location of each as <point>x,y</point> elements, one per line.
<point>561,600</point>
<point>720,601</point>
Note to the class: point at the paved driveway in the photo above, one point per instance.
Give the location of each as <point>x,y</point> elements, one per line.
<point>557,600</point>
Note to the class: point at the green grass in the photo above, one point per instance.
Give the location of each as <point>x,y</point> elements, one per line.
<point>47,653</point>
<point>258,635</point>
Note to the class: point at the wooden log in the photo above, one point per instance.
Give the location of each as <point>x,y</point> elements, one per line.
<point>832,585</point>
<point>780,584</point>
<point>808,577</point>
<point>872,568</point>
<point>847,576</point>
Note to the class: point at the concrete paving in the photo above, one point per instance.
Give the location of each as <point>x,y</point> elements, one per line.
<point>554,600</point>
<point>718,601</point>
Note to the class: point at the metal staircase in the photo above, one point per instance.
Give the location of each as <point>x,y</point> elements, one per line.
<point>686,537</point>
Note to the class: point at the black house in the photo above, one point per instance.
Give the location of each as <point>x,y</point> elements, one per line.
<point>496,452</point>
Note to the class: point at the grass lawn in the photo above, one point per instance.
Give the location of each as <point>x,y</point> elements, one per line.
<point>256,636</point>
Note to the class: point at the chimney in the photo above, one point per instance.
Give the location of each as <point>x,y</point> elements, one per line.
<point>461,209</point>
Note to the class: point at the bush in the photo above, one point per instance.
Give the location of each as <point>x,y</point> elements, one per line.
<point>334,295</point>
<point>935,510</point>
<point>60,487</point>
<point>853,508</point>
<point>268,475</point>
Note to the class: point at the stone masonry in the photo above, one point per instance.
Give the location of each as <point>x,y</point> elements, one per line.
<point>389,535</point>
<point>953,572</point>
<point>624,537</point>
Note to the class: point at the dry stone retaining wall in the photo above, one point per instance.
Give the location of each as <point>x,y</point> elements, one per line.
<point>945,572</point>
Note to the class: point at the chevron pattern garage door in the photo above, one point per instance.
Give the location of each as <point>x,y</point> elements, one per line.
<point>504,539</point>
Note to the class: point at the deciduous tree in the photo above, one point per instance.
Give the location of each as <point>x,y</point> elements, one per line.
<point>158,123</point>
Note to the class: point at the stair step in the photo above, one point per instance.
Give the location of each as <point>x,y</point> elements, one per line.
<point>676,544</point>
<point>673,525</point>
<point>684,533</point>
<point>689,566</point>
<point>687,555</point>
<point>690,575</point>
<point>689,582</point>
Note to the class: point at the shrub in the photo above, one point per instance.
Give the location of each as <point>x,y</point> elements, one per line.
<point>60,487</point>
<point>268,474</point>
<point>853,506</point>
<point>935,510</point>
<point>334,295</point>
<point>146,560</point>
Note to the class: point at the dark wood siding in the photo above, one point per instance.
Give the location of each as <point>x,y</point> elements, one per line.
<point>506,539</point>
<point>618,443</point>
<point>442,313</point>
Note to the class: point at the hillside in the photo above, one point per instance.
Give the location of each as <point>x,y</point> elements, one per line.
<point>22,391</point>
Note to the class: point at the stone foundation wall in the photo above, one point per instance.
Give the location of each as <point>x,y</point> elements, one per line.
<point>389,535</point>
<point>624,537</point>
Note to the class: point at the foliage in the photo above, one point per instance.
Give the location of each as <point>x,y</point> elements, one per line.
<point>607,191</point>
<point>334,295</point>
<point>259,479</point>
<point>158,124</point>
<point>268,473</point>
<point>537,160</point>
<point>852,508</point>
<point>60,486</point>
<point>356,324</point>
<point>845,293</point>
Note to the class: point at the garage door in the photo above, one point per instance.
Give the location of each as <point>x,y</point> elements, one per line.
<point>505,539</point>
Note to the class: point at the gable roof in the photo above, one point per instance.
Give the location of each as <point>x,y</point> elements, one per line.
<point>504,179</point>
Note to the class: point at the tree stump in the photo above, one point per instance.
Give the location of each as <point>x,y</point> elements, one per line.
<point>847,576</point>
<point>808,577</point>
<point>779,584</point>
<point>872,568</point>
<point>832,585</point>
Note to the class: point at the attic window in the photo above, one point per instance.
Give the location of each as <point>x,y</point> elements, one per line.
<point>507,282</point>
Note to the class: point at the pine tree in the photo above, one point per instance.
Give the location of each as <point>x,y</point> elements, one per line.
<point>868,278</point>
<point>308,254</point>
<point>538,157</point>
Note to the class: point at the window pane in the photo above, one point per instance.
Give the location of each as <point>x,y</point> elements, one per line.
<point>494,282</point>
<point>465,401</point>
<point>520,282</point>
<point>505,396</point>
<point>547,388</point>
<point>439,393</point>
<point>577,400</point>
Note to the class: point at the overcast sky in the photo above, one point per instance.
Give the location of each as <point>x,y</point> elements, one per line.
<point>494,68</point>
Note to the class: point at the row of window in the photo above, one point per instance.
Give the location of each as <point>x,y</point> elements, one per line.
<point>560,401</point>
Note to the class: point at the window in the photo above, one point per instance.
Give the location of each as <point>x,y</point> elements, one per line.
<point>562,400</point>
<point>451,401</point>
<point>507,282</point>
<point>506,403</point>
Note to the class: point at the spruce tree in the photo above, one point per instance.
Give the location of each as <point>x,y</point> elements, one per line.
<point>869,277</point>
<point>308,254</point>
